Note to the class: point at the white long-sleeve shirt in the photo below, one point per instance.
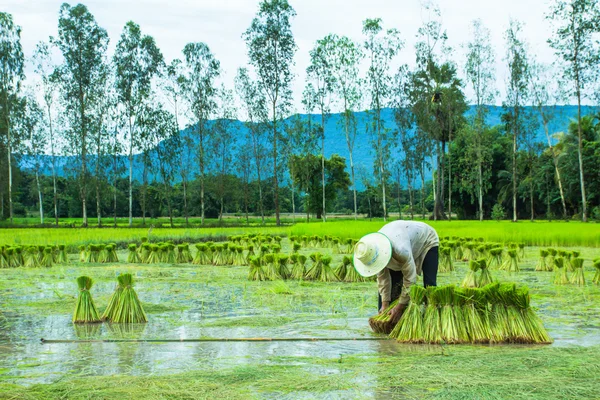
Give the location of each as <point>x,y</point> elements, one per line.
<point>410,243</point>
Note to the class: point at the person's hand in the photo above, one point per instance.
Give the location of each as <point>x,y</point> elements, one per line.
<point>384,306</point>
<point>396,313</point>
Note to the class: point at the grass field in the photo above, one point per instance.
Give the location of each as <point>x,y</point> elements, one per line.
<point>185,301</point>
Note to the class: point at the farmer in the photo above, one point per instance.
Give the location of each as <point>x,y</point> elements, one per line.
<point>399,252</point>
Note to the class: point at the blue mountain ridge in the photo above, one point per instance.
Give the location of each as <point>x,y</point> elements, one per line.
<point>335,139</point>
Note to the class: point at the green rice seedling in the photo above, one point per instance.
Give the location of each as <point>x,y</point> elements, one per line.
<point>228,253</point>
<point>495,261</point>
<point>85,309</point>
<point>327,272</point>
<point>410,327</point>
<point>145,251</point>
<point>219,257</point>
<point>103,254</point>
<point>47,260</point>
<point>19,256</point>
<point>353,276</point>
<point>238,257</point>
<point>314,272</point>
<point>304,241</point>
<point>296,247</point>
<point>498,317</point>
<point>521,247</point>
<point>534,326</point>
<point>343,268</point>
<point>299,268</point>
<point>471,279</point>
<point>576,254</point>
<point>10,257</point>
<point>432,330</point>
<point>276,249</point>
<point>541,265</point>
<point>82,253</point>
<point>474,313</point>
<point>560,272</point>
<point>282,266</point>
<point>381,323</point>
<point>567,255</point>
<point>210,252</point>
<point>448,320</point>
<point>31,260</point>
<point>170,256</point>
<point>256,272</point>
<point>511,264</point>
<point>201,257</point>
<point>154,255</point>
<point>129,309</point>
<point>349,242</point>
<point>133,257</point>
<point>485,277</point>
<point>249,253</point>
<point>111,250</point>
<point>516,331</point>
<point>446,264</point>
<point>459,252</point>
<point>552,253</point>
<point>180,258</point>
<point>277,239</point>
<point>162,252</point>
<point>62,254</point>
<point>336,246</point>
<point>144,239</point>
<point>40,253</point>
<point>264,249</point>
<point>469,251</point>
<point>596,278</point>
<point>481,251</point>
<point>578,277</point>
<point>271,267</point>
<point>459,306</point>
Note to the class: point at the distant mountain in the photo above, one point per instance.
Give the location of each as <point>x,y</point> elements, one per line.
<point>335,140</point>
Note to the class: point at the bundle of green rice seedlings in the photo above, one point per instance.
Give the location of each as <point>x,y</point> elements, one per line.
<point>381,323</point>
<point>82,253</point>
<point>144,239</point>
<point>296,247</point>
<point>270,265</point>
<point>31,260</point>
<point>552,253</point>
<point>144,252</point>
<point>511,264</point>
<point>48,259</point>
<point>560,272</point>
<point>256,272</point>
<point>228,253</point>
<point>154,255</point>
<point>85,309</point>
<point>3,259</point>
<point>180,257</point>
<point>282,265</point>
<point>263,250</point>
<point>219,257</point>
<point>474,313</point>
<point>238,258</point>
<point>446,264</point>
<point>276,249</point>
<point>112,253</point>
<point>343,268</point>
<point>162,252</point>
<point>10,257</point>
<point>516,330</point>
<point>249,253</point>
<point>299,267</point>
<point>541,265</point>
<point>410,327</point>
<point>567,255</point>
<point>200,258</point>
<point>481,251</point>
<point>327,272</point>
<point>293,238</point>
<point>596,278</point>
<point>471,279</point>
<point>40,253</point>
<point>102,254</point>
<point>448,321</point>
<point>459,252</point>
<point>578,277</point>
<point>170,257</point>
<point>469,251</point>
<point>459,315</point>
<point>314,241</point>
<point>353,276</point>
<point>336,246</point>
<point>495,260</point>
<point>62,254</point>
<point>521,247</point>
<point>304,240</point>
<point>485,276</point>
<point>133,257</point>
<point>497,315</point>
<point>129,309</point>
<point>210,252</point>
<point>534,326</point>
<point>576,253</point>
<point>314,272</point>
<point>19,256</point>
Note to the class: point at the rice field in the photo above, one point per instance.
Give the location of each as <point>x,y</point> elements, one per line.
<point>186,301</point>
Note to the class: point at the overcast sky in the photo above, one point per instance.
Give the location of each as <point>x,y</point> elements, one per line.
<point>220,24</point>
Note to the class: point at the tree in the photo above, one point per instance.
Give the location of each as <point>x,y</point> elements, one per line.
<point>381,50</point>
<point>575,24</point>
<point>11,75</point>
<point>201,70</point>
<point>31,124</point>
<point>516,97</point>
<point>137,59</point>
<point>271,49</point>
<point>44,67</point>
<point>83,45</point>
<point>480,74</point>
<point>346,58</point>
<point>99,129</point>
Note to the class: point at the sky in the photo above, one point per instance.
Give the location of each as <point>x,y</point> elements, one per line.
<point>220,24</point>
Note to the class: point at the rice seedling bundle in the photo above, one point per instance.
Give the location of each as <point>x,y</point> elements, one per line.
<point>228,250</point>
<point>336,246</point>
<point>40,249</point>
<point>343,268</point>
<point>133,257</point>
<point>10,257</point>
<point>62,254</point>
<point>162,252</point>
<point>560,272</point>
<point>516,331</point>
<point>551,256</point>
<point>47,260</point>
<point>264,250</point>
<point>481,251</point>
<point>596,278</point>
<point>249,253</point>
<point>296,247</point>
<point>521,247</point>
<point>276,249</point>
<point>459,252</point>
<point>381,323</point>
<point>536,331</point>
<point>170,256</point>
<point>471,279</point>
<point>145,252</point>
<point>144,239</point>
<point>576,253</point>
<point>327,272</point>
<point>299,268</point>
<point>154,255</point>
<point>349,242</point>
<point>271,267</point>
<point>485,276</point>
<point>180,258</point>
<point>256,272</point>
<point>410,327</point>
<point>469,251</point>
<point>19,256</point>
<point>446,264</point>
<point>448,321</point>
<point>304,241</point>
<point>541,265</point>
<point>219,257</point>
<point>498,317</point>
<point>495,260</point>
<point>432,331</point>
<point>210,252</point>
<point>282,266</point>
<point>128,309</point>
<point>474,313</point>
<point>103,254</point>
<point>238,258</point>
<point>578,277</point>
<point>85,309</point>
<point>511,264</point>
<point>93,254</point>
<point>31,260</point>
<point>82,253</point>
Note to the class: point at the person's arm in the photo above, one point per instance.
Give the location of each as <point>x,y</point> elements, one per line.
<point>384,285</point>
<point>409,277</point>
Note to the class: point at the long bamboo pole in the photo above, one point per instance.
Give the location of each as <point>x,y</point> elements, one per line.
<point>257,339</point>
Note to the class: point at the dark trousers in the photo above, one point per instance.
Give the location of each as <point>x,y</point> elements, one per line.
<point>430,270</point>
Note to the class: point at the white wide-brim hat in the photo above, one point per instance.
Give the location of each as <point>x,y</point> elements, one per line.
<point>372,254</point>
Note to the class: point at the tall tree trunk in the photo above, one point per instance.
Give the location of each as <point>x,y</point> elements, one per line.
<point>39,190</point>
<point>531,198</point>
<point>144,188</point>
<point>399,203</point>
<point>449,175</point>
<point>53,165</point>
<point>130,172</point>
<point>556,169</point>
<point>258,168</point>
<point>514,165</point>
<point>350,144</point>
<point>201,159</point>
<point>10,177</point>
<point>422,172</point>
<point>381,166</point>
<point>293,196</point>
<point>98,210</point>
<point>480,188</point>
<point>323,163</point>
<point>580,155</point>
<point>275,179</point>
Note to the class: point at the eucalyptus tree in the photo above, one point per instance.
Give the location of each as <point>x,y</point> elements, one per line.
<point>545,97</point>
<point>83,45</point>
<point>254,102</point>
<point>100,131</point>
<point>271,49</point>
<point>137,60</point>
<point>309,146</point>
<point>479,70</point>
<point>576,25</point>
<point>45,67</point>
<point>381,48</point>
<point>346,57</point>
<point>201,70</point>
<point>320,72</point>
<point>35,139</point>
<point>11,76</point>
<point>517,94</point>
